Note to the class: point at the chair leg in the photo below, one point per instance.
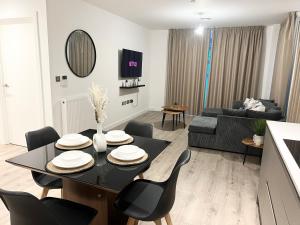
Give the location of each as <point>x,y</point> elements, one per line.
<point>173,126</point>
<point>131,221</point>
<point>141,176</point>
<point>163,120</point>
<point>45,192</point>
<point>158,222</point>
<point>168,219</point>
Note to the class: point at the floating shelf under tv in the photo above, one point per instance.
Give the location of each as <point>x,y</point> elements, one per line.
<point>137,86</point>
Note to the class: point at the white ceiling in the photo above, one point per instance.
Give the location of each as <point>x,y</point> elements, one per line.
<point>165,14</point>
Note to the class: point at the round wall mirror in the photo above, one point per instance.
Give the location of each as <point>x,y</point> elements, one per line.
<point>80,53</point>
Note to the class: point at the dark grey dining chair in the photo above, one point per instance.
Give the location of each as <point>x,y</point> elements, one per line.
<point>147,200</point>
<point>36,139</point>
<point>26,209</point>
<point>140,129</point>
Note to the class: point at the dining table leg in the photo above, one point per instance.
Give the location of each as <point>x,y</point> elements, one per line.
<point>101,200</point>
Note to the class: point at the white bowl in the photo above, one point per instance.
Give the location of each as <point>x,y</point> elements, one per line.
<point>128,153</point>
<point>116,138</point>
<point>72,159</point>
<point>71,140</point>
<point>116,133</point>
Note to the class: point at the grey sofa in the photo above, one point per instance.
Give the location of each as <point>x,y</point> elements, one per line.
<point>224,129</point>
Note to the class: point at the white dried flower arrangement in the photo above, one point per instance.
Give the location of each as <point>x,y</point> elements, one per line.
<point>98,98</point>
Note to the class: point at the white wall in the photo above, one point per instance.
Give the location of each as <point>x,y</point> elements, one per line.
<point>269,54</point>
<point>110,33</point>
<point>29,8</point>
<point>158,68</point>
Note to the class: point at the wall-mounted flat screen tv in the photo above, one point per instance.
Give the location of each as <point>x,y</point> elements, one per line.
<point>131,65</point>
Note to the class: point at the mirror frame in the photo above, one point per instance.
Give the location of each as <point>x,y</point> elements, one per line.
<point>66,52</point>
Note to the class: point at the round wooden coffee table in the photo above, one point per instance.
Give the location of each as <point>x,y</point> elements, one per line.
<point>248,142</point>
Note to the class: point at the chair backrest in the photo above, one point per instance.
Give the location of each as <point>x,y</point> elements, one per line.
<point>25,209</point>
<point>38,138</point>
<point>168,197</point>
<point>41,137</point>
<point>139,129</point>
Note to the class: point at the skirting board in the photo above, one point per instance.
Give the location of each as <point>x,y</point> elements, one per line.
<point>119,122</point>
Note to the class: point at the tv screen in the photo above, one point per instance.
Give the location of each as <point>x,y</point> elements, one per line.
<point>131,65</point>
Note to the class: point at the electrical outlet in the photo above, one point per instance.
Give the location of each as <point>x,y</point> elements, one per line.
<point>131,100</point>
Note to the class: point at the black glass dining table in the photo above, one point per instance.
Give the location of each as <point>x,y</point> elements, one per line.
<point>98,186</point>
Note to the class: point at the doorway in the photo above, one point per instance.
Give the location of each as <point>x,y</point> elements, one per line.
<point>21,81</point>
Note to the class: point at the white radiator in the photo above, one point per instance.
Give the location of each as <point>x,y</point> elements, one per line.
<point>77,114</point>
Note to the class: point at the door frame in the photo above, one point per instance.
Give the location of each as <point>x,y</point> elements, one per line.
<point>4,136</point>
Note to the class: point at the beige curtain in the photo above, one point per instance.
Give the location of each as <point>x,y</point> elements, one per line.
<point>293,114</point>
<point>187,60</point>
<point>283,62</point>
<point>236,64</point>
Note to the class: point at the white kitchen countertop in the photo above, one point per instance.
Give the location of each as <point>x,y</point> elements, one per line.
<point>280,131</point>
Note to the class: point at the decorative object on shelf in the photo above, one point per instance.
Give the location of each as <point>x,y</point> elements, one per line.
<point>137,86</point>
<point>80,53</point>
<point>98,99</point>
<point>259,128</point>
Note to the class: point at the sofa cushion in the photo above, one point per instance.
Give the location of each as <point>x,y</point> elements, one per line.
<point>238,105</point>
<point>271,114</point>
<point>203,124</point>
<point>266,100</point>
<point>212,112</point>
<point>270,105</point>
<point>235,112</point>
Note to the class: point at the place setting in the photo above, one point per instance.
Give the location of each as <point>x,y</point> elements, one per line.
<point>70,162</point>
<point>73,142</point>
<point>127,155</point>
<point>118,137</point>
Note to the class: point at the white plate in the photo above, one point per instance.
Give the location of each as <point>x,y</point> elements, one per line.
<point>110,138</point>
<point>72,140</point>
<point>72,159</point>
<point>128,153</point>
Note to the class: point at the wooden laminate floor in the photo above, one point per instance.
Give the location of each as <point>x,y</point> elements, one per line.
<point>213,189</point>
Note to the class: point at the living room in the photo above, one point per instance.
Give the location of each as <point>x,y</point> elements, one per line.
<point>211,85</point>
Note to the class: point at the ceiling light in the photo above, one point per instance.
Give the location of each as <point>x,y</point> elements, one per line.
<point>199,30</point>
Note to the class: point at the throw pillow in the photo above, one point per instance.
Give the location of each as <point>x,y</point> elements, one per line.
<point>238,105</point>
<point>258,107</point>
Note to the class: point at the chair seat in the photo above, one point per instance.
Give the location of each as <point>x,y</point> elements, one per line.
<point>48,181</point>
<point>69,213</point>
<point>140,199</point>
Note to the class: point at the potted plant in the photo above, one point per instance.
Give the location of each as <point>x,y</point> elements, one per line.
<point>98,99</point>
<point>259,128</point>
